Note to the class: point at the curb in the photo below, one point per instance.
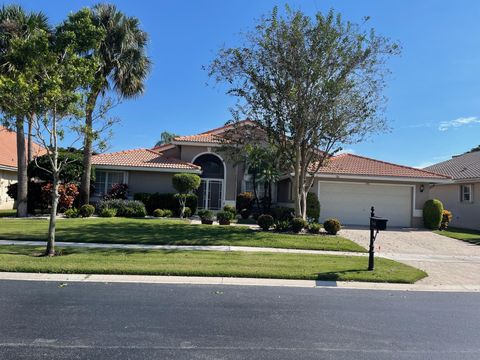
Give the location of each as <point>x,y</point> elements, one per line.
<point>187,280</point>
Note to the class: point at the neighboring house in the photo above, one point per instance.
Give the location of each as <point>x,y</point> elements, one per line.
<point>462,197</point>
<point>8,164</point>
<point>347,187</point>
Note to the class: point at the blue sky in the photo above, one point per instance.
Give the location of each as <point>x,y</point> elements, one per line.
<point>434,92</point>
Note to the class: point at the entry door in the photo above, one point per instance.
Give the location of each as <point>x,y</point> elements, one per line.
<point>210,194</point>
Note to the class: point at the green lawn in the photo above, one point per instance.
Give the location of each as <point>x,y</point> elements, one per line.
<point>7,213</point>
<point>471,236</point>
<point>205,263</point>
<point>166,232</point>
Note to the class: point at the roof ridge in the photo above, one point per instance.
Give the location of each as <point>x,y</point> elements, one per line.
<point>402,166</point>
<point>121,152</point>
<point>172,158</point>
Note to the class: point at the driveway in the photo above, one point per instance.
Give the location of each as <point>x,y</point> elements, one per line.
<point>447,261</point>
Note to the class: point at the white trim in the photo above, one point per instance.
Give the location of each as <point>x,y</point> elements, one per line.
<point>141,168</point>
<point>386,178</point>
<point>224,180</point>
<point>8,168</point>
<point>470,193</point>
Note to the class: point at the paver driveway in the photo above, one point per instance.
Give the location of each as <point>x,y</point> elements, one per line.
<point>447,261</point>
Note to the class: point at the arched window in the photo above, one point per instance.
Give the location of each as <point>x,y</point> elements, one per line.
<point>212,166</point>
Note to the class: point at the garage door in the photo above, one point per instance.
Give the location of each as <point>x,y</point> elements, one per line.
<point>351,203</point>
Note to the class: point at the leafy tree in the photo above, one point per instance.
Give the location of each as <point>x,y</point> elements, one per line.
<point>166,138</point>
<point>115,45</point>
<point>312,84</point>
<point>185,184</point>
<point>71,172</point>
<point>18,27</point>
<point>51,82</point>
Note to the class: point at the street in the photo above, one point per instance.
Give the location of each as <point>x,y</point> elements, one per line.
<point>52,320</point>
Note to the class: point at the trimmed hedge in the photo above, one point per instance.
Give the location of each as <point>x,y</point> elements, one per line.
<point>265,221</point>
<point>165,201</point>
<point>332,226</point>
<point>432,214</point>
<point>86,210</point>
<point>298,224</point>
<point>125,208</point>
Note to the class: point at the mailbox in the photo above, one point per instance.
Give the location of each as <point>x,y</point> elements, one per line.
<point>378,223</point>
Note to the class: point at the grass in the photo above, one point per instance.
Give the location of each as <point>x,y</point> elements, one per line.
<point>206,263</point>
<point>166,232</point>
<point>470,236</point>
<point>8,213</point>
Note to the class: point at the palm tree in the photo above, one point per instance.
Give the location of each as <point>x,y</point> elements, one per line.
<point>166,138</point>
<point>123,67</point>
<point>16,24</point>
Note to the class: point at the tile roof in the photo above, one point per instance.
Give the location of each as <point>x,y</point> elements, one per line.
<point>466,166</point>
<point>8,148</point>
<point>142,158</point>
<point>349,164</point>
<point>212,136</point>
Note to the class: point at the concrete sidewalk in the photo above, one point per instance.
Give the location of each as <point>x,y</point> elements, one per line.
<point>187,280</point>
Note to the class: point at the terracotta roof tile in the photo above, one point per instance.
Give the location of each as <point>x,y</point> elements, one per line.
<point>349,164</point>
<point>212,136</point>
<point>466,166</point>
<point>142,158</point>
<point>8,148</point>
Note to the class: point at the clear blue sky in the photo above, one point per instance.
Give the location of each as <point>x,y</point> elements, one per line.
<point>434,91</point>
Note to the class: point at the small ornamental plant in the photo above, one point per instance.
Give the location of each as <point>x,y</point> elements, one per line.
<point>158,213</point>
<point>185,184</point>
<point>108,212</point>
<point>446,218</point>
<point>265,221</point>
<point>314,228</point>
<point>167,213</point>
<point>206,216</point>
<point>332,226</point>
<point>86,210</point>
<point>224,217</point>
<point>298,224</point>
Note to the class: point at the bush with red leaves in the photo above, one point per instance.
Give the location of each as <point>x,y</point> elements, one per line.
<point>67,193</point>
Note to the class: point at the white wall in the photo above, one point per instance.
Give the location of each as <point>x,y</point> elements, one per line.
<point>6,178</point>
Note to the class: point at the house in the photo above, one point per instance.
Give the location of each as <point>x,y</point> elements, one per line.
<point>347,187</point>
<point>8,164</point>
<point>462,197</point>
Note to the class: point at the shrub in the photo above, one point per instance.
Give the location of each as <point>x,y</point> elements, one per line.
<point>245,213</point>
<point>187,212</point>
<point>283,225</point>
<point>117,191</point>
<point>244,201</point>
<point>158,213</point>
<point>184,183</point>
<point>205,215</point>
<point>224,217</point>
<point>265,221</point>
<point>71,213</point>
<point>313,207</point>
<point>125,208</point>
<point>332,226</point>
<point>314,228</point>
<point>446,218</point>
<point>298,224</point>
<point>67,194</point>
<point>86,210</point>
<point>167,213</point>
<point>166,201</point>
<point>230,208</point>
<point>432,214</point>
<point>34,194</point>
<point>282,213</point>
<point>108,212</point>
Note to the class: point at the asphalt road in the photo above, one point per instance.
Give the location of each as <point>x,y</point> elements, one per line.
<point>49,320</point>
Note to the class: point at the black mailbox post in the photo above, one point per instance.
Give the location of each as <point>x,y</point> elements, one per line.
<point>376,224</point>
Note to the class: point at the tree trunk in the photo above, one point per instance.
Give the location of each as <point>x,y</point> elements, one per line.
<point>30,141</point>
<point>87,150</point>
<point>22,187</point>
<point>53,219</point>
<point>297,184</point>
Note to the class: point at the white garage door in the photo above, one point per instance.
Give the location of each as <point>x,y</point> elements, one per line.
<point>351,203</point>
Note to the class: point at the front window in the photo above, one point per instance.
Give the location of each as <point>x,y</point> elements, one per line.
<point>466,193</point>
<point>104,180</point>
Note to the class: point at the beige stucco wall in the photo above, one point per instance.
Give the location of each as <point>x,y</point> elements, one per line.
<point>149,182</point>
<point>465,215</point>
<point>6,178</point>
